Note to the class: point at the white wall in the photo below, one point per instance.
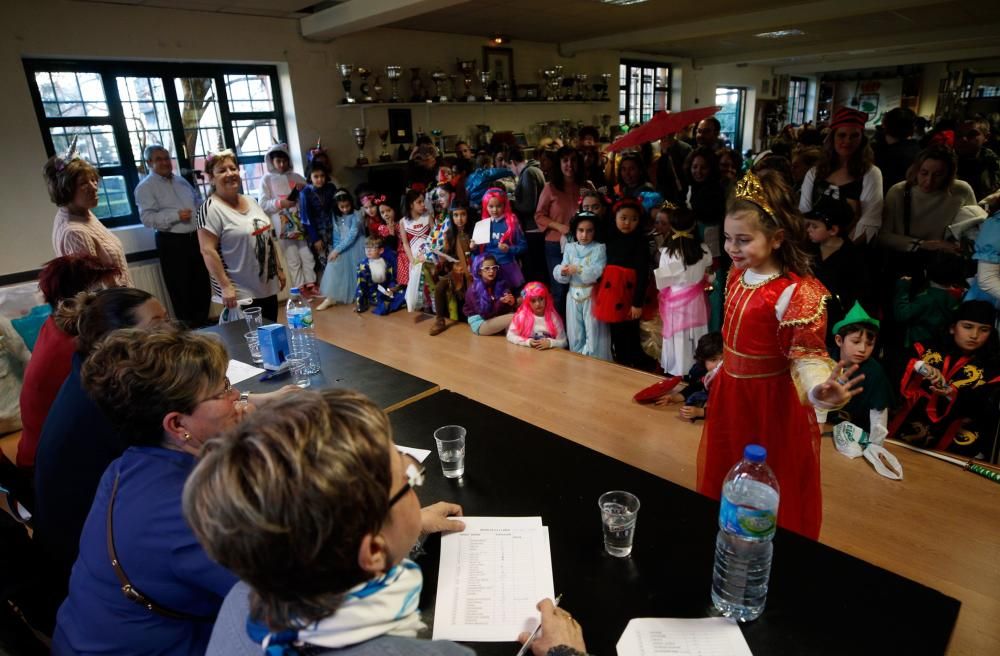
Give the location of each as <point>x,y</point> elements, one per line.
<point>699,86</point>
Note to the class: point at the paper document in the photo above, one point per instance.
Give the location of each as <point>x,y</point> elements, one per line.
<point>481,232</point>
<point>708,636</point>
<point>419,454</point>
<point>238,371</point>
<point>490,578</point>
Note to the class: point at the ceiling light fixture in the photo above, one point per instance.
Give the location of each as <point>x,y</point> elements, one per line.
<point>623,3</point>
<point>499,40</point>
<point>779,34</point>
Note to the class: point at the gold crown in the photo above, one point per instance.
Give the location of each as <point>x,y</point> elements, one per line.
<point>749,188</point>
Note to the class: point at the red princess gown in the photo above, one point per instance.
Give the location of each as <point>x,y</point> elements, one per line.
<point>753,398</point>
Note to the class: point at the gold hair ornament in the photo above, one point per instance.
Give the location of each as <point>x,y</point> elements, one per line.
<point>749,188</point>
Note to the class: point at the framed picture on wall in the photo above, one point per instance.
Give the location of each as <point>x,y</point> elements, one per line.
<point>500,63</point>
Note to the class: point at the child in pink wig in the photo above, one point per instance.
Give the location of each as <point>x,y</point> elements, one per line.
<point>506,238</point>
<point>536,322</point>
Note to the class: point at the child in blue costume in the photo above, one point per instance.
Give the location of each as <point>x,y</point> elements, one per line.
<point>506,239</point>
<point>376,276</point>
<point>347,250</point>
<point>581,267</point>
<point>316,209</point>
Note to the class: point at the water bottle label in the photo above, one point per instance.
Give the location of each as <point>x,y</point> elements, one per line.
<point>746,522</point>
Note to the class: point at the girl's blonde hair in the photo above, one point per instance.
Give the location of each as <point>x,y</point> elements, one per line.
<point>768,197</point>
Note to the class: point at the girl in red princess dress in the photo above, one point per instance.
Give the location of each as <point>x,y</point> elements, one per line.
<point>775,370</point>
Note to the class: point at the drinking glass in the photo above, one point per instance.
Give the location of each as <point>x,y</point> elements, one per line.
<point>451,450</point>
<point>253,343</point>
<point>619,511</point>
<point>299,367</point>
<point>253,318</point>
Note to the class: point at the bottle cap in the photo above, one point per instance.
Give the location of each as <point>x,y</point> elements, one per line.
<point>755,453</point>
<point>293,290</point>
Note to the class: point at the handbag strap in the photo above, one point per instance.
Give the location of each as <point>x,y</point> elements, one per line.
<point>130,591</point>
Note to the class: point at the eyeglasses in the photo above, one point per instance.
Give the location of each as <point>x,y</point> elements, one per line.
<point>415,478</point>
<point>492,267</point>
<point>226,391</point>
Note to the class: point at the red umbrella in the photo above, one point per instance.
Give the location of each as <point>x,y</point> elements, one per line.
<point>660,126</point>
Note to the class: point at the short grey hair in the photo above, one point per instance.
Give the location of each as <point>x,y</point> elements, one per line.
<point>147,153</point>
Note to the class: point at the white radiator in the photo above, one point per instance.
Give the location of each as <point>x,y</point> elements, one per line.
<point>146,276</point>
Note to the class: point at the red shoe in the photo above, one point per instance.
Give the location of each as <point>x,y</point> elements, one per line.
<point>657,390</point>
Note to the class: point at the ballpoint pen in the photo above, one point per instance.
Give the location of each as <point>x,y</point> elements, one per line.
<point>534,634</point>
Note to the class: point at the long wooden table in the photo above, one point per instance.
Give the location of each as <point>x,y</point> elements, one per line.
<point>940,526</point>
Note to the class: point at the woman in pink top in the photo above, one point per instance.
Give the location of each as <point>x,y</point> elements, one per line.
<point>556,206</point>
<point>72,184</point>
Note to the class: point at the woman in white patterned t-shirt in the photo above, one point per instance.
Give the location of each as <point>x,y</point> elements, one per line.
<point>237,241</point>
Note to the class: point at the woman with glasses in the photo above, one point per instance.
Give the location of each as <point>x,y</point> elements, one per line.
<point>321,534</point>
<point>141,583</point>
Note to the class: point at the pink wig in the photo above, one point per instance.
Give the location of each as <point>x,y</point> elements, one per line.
<point>524,318</point>
<point>512,225</point>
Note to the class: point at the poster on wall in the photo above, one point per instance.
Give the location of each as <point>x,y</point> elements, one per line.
<point>873,97</point>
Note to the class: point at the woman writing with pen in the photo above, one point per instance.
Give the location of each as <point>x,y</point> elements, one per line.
<point>312,506</point>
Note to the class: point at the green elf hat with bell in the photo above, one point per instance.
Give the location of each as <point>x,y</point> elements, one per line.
<point>856,315</point>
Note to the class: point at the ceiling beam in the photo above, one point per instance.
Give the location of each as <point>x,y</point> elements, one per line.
<point>901,59</point>
<point>932,38</point>
<point>764,20</point>
<point>358,15</point>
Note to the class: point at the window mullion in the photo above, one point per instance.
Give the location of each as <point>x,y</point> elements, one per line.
<point>122,141</point>
<point>225,117</point>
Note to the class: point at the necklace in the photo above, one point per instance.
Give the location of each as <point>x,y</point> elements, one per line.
<point>746,285</point>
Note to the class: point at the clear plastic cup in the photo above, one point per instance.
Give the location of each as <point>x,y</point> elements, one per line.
<point>253,318</point>
<point>299,368</point>
<point>253,343</point>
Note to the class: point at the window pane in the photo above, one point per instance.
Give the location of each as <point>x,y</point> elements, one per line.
<point>144,105</point>
<point>95,143</point>
<point>199,105</point>
<point>249,93</point>
<point>71,94</point>
<point>254,137</point>
<point>252,174</point>
<point>112,198</point>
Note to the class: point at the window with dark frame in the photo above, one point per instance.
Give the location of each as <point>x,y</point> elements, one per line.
<point>733,103</point>
<point>798,89</point>
<point>116,109</point>
<point>643,90</point>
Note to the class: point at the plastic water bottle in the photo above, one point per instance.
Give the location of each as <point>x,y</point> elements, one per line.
<point>300,330</point>
<point>747,521</point>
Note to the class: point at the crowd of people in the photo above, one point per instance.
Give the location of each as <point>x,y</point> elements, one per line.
<point>834,277</point>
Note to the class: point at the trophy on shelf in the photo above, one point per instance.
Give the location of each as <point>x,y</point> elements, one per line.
<point>605,85</point>
<point>366,90</point>
<point>359,139</point>
<point>605,122</point>
<point>468,69</point>
<point>552,82</point>
<point>393,73</point>
<point>484,79</point>
<point>377,88</point>
<point>438,141</point>
<point>581,86</point>
<point>346,71</point>
<point>559,75</point>
<point>417,89</point>
<point>384,156</point>
<point>440,79</point>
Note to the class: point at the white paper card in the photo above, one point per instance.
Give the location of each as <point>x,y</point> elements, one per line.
<point>481,232</point>
<point>490,578</point>
<point>661,636</point>
<point>238,371</point>
<point>418,454</point>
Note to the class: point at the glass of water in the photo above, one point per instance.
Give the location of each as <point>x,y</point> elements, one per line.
<point>451,450</point>
<point>299,368</point>
<point>619,511</point>
<point>253,343</point>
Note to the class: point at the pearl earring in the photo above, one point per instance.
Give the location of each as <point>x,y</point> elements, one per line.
<point>186,437</point>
